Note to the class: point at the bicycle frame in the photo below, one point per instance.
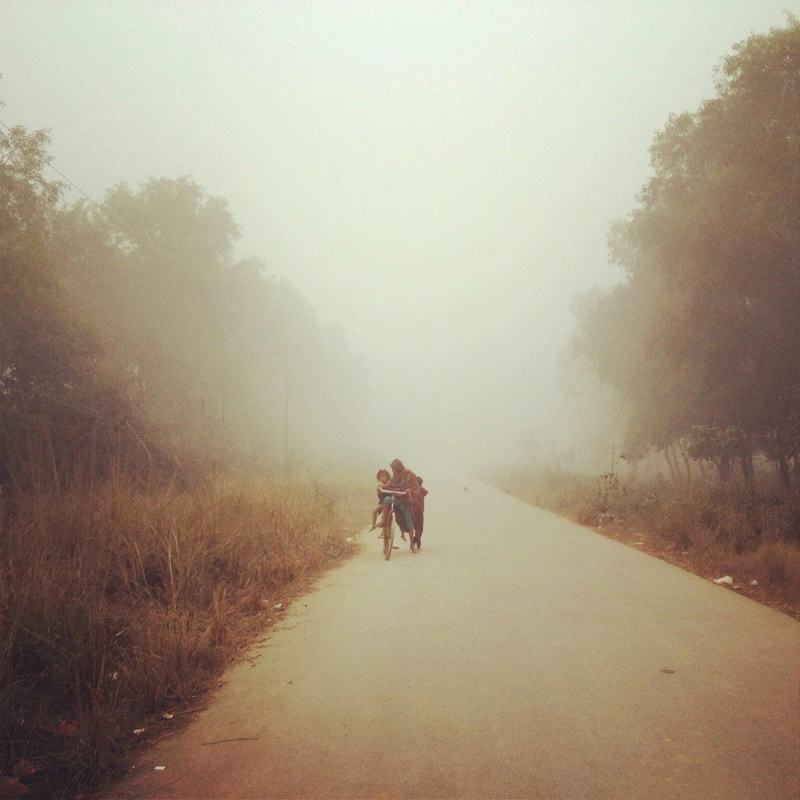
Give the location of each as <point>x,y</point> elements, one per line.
<point>387,521</point>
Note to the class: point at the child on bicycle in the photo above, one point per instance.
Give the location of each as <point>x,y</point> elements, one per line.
<point>384,500</point>
<point>383,478</point>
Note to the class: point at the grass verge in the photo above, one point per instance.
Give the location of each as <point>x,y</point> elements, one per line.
<point>118,605</point>
<point>712,530</point>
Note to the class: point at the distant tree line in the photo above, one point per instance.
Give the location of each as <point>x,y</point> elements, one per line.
<point>130,328</point>
<point>702,339</point>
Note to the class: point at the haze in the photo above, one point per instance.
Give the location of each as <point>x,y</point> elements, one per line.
<point>437,180</point>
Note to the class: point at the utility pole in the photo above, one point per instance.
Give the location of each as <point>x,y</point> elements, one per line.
<point>286,412</point>
<point>286,391</point>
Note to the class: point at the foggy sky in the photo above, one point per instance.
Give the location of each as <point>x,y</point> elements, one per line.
<point>436,178</point>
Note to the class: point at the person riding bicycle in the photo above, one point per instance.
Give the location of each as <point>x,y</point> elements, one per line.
<point>386,499</point>
<point>405,480</point>
<point>383,478</point>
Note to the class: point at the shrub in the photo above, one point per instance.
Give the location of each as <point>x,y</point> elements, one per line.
<point>777,564</point>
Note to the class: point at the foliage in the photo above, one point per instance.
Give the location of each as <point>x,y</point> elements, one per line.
<point>712,529</point>
<point>48,359</point>
<point>210,348</point>
<point>134,350</point>
<point>36,351</point>
<point>136,315</point>
<point>703,338</point>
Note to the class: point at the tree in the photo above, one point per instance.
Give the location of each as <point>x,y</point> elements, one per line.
<point>710,309</point>
<point>59,417</point>
<point>153,283</point>
<point>213,349</point>
<point>35,346</point>
<point>139,309</point>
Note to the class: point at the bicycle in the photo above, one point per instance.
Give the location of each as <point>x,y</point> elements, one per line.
<point>387,532</point>
<point>387,523</point>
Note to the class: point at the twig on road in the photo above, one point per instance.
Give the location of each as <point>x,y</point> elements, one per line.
<point>237,739</point>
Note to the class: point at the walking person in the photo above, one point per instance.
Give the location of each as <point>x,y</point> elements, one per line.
<point>405,480</point>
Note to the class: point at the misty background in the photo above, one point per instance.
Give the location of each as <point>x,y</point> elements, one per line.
<point>434,183</point>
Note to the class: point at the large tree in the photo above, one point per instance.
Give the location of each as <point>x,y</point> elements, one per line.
<point>709,315</point>
<point>35,346</point>
<point>139,309</point>
<point>215,350</point>
<point>59,415</point>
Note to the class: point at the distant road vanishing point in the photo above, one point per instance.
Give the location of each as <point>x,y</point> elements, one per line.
<point>517,655</point>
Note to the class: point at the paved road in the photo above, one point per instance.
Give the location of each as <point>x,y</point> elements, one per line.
<point>517,655</point>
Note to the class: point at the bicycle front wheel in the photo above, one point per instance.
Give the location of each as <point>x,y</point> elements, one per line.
<point>388,536</point>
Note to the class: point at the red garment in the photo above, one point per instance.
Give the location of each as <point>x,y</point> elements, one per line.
<point>409,482</point>
<point>422,494</point>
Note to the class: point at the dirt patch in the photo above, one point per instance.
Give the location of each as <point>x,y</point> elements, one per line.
<point>703,564</point>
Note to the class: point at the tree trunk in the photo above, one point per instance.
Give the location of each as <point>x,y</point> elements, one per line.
<point>783,468</point>
<point>669,464</point>
<point>724,468</point>
<point>674,454</point>
<point>746,461</point>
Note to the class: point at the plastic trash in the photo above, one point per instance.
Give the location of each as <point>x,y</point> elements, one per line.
<point>754,582</point>
<point>726,580</point>
<point>137,731</point>
<point>159,769</point>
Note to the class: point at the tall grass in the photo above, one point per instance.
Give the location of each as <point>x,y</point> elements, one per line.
<point>117,603</point>
<point>730,526</point>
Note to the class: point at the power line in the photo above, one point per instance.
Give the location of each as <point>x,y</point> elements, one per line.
<point>145,253</point>
<point>71,183</point>
<point>102,208</point>
<point>94,202</point>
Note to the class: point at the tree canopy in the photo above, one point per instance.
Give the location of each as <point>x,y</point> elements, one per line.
<point>137,308</point>
<point>703,338</point>
<point>36,352</point>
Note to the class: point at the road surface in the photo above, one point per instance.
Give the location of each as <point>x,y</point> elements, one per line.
<point>517,655</point>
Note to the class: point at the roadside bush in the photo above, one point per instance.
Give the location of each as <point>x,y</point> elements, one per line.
<point>590,511</point>
<point>754,533</point>
<point>678,522</point>
<point>777,564</point>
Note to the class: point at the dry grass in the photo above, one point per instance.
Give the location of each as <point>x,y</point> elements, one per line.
<point>775,564</point>
<point>117,604</point>
<point>712,530</point>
